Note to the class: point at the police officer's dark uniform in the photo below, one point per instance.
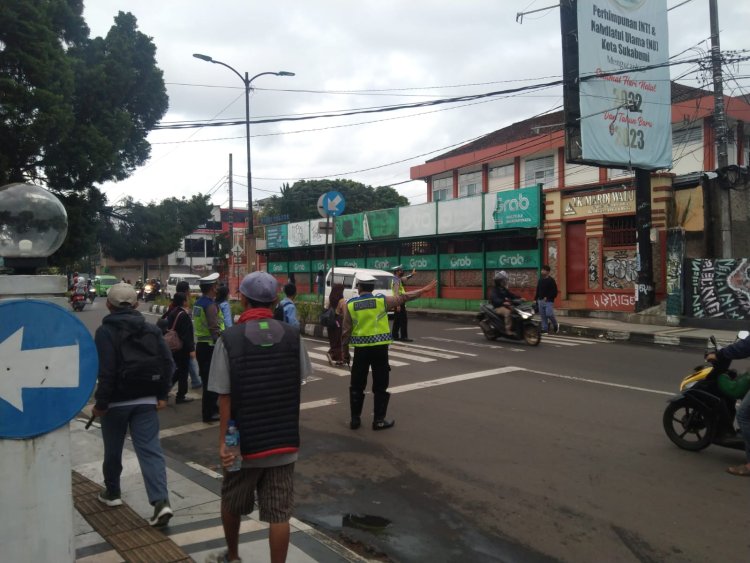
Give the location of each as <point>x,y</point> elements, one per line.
<point>366,329</point>
<point>208,326</point>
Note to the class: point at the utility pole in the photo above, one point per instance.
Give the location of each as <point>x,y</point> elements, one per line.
<point>644,291</point>
<point>720,126</point>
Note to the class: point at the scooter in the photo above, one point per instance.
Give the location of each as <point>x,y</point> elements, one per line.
<point>78,302</point>
<point>92,294</point>
<point>149,292</point>
<point>703,412</point>
<point>524,326</point>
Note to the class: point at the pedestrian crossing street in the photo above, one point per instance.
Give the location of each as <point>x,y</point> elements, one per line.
<point>402,354</point>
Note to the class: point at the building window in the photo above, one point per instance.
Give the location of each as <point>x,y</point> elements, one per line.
<point>620,231</point>
<point>504,171</point>
<point>540,170</point>
<point>442,189</point>
<point>469,184</point>
<point>687,135</point>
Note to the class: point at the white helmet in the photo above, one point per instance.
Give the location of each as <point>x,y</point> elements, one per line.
<point>502,275</point>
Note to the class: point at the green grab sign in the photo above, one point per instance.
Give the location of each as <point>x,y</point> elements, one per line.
<point>427,262</point>
<point>351,262</point>
<point>349,228</point>
<point>513,259</point>
<point>277,236</point>
<point>516,209</point>
<point>300,266</point>
<point>380,224</point>
<point>319,265</point>
<point>382,262</point>
<point>464,261</point>
<point>278,267</point>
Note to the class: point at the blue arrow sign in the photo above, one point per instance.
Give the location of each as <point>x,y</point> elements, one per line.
<point>48,367</point>
<point>333,203</point>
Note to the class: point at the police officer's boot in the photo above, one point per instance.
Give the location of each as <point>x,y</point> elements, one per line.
<point>381,406</point>
<point>356,401</point>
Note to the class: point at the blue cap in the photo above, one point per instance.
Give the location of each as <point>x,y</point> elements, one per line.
<point>260,286</point>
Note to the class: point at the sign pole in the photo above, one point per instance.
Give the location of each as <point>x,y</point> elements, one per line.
<point>333,248</point>
<point>325,259</point>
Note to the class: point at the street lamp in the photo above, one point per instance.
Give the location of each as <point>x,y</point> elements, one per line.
<point>250,243</point>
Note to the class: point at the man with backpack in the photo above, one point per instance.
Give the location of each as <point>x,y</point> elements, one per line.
<point>286,310</point>
<point>135,372</point>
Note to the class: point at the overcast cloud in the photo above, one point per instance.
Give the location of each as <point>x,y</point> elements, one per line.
<point>407,50</point>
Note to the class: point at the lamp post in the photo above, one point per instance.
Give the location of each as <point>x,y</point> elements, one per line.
<point>250,240</point>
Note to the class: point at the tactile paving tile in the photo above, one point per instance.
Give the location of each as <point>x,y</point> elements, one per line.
<point>121,527</point>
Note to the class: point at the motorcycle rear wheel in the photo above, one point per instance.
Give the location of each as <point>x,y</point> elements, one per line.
<point>532,335</point>
<point>486,327</point>
<point>688,426</point>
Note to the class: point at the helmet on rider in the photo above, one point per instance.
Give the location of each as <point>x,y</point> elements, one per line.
<point>501,277</point>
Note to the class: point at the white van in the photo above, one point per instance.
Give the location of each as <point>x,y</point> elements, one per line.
<point>348,276</point>
<point>174,279</point>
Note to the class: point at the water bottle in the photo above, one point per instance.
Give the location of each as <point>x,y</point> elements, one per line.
<point>232,443</point>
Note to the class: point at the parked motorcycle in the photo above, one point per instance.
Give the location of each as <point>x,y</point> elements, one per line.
<point>78,302</point>
<point>703,412</point>
<point>524,326</point>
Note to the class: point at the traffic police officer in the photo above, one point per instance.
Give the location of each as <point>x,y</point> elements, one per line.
<point>400,331</point>
<point>208,325</point>
<point>365,328</point>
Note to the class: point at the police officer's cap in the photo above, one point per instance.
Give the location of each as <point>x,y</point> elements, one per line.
<point>210,279</point>
<point>400,267</point>
<point>366,278</point>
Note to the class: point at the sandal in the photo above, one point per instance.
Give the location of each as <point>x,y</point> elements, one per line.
<point>739,470</point>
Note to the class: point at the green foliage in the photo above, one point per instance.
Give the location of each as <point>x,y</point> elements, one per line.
<point>300,200</point>
<point>154,229</point>
<point>74,111</point>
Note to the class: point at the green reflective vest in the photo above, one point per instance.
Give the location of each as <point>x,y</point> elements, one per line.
<point>200,323</point>
<point>401,289</point>
<point>370,326</point>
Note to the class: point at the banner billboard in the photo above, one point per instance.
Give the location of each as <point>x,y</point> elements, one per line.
<point>512,209</point>
<point>276,236</point>
<point>278,267</point>
<point>380,224</point>
<point>617,91</point>
<point>382,262</point>
<point>463,215</point>
<point>417,220</point>
<point>298,234</point>
<point>507,259</point>
<point>349,228</point>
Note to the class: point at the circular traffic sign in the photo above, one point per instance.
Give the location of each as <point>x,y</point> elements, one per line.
<point>48,367</point>
<point>332,204</point>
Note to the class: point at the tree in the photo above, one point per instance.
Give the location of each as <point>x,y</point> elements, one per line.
<point>74,111</point>
<point>152,230</point>
<point>300,200</point>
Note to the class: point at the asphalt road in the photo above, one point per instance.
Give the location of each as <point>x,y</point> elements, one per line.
<point>503,452</point>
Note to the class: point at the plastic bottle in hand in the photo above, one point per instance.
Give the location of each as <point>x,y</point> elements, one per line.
<point>232,443</point>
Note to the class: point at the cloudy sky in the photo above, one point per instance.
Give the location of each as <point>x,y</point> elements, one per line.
<point>352,55</point>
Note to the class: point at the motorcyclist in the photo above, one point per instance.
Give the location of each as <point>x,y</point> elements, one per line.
<point>501,299</point>
<point>738,351</point>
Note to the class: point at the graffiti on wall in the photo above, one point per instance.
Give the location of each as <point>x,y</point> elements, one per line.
<point>552,258</point>
<point>719,289</point>
<point>675,256</point>
<point>593,265</point>
<point>620,269</point>
<point>611,301</point>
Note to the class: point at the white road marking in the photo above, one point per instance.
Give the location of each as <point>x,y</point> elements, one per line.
<point>463,328</point>
<point>325,358</point>
<point>204,470</point>
<point>321,403</point>
<point>431,353</point>
<point>186,429</point>
<point>410,356</point>
<point>597,382</point>
<point>431,348</point>
<point>452,379</point>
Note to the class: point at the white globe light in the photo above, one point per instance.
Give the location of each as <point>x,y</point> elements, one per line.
<point>33,222</point>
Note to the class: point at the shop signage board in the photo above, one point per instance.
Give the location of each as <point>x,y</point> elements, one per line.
<point>463,215</point>
<point>512,209</point>
<point>618,109</point>
<point>600,203</point>
<point>300,266</point>
<point>278,267</point>
<point>380,224</point>
<point>417,220</point>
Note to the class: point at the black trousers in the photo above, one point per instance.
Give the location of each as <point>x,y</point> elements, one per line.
<point>366,357</point>
<point>182,361</point>
<point>399,323</point>
<point>203,353</point>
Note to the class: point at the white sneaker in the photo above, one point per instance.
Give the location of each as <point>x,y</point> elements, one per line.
<point>162,514</point>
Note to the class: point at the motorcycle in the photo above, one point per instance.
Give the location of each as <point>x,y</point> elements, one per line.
<point>92,294</point>
<point>703,412</point>
<point>78,302</point>
<point>149,292</point>
<point>524,326</point>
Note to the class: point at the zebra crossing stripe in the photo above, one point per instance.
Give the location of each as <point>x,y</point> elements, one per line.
<point>410,356</point>
<point>317,356</point>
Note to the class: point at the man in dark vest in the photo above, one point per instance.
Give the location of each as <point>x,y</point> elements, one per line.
<point>257,370</point>
<point>365,328</point>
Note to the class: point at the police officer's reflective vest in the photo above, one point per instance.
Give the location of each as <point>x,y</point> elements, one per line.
<point>401,289</point>
<point>200,323</point>
<point>369,315</point>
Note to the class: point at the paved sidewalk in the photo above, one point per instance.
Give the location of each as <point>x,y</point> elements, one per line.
<point>196,525</point>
